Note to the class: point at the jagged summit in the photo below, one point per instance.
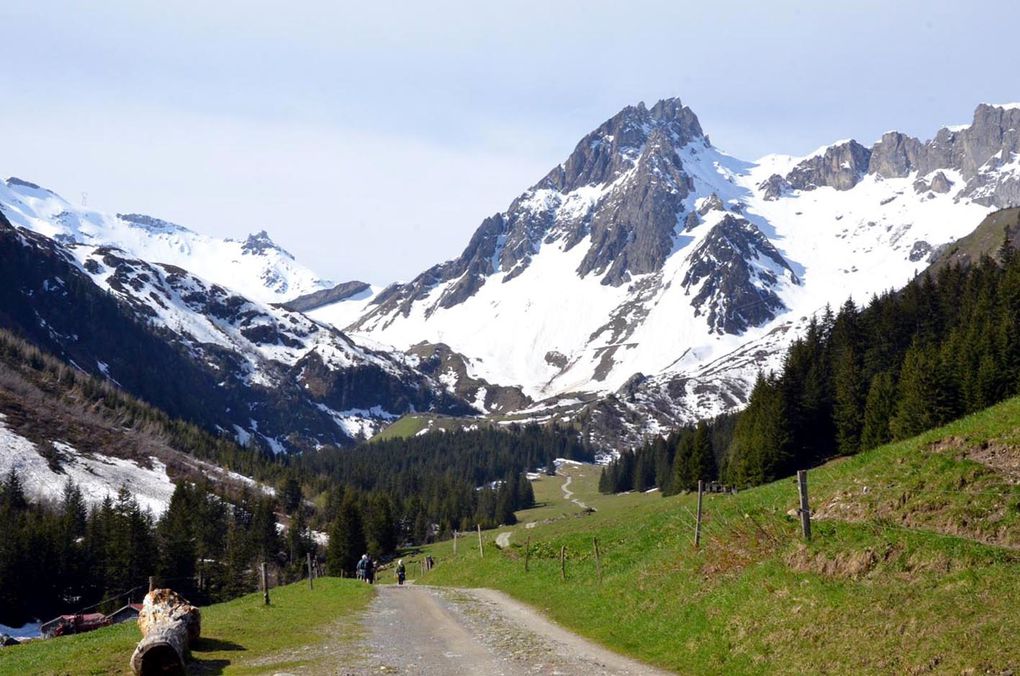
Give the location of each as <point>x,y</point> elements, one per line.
<point>614,146</point>
<point>260,242</point>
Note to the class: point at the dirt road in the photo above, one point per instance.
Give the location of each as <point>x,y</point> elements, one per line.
<point>428,630</point>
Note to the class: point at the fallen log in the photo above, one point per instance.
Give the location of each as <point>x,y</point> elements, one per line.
<point>169,624</point>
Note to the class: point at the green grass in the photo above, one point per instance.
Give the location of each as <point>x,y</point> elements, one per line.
<point>914,566</point>
<point>410,425</point>
<point>242,636</point>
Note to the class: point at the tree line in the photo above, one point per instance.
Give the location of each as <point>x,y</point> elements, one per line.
<point>946,345</point>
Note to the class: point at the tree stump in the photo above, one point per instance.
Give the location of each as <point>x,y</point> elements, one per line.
<point>169,625</point>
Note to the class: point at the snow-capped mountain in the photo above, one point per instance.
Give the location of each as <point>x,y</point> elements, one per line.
<point>256,267</point>
<point>202,352</point>
<point>659,273</point>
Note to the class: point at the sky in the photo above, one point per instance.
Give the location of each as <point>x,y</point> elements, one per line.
<point>371,139</point>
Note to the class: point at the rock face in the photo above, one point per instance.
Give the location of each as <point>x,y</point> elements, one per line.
<point>979,153</point>
<point>260,242</point>
<point>773,187</point>
<point>316,299</point>
<point>735,272</point>
<point>840,166</point>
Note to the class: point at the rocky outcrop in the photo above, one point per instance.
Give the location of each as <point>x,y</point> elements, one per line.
<point>840,166</point>
<point>978,152</point>
<point>260,242</point>
<point>735,272</point>
<point>710,203</point>
<point>773,187</point>
<point>451,368</point>
<point>317,299</point>
<point>895,155</point>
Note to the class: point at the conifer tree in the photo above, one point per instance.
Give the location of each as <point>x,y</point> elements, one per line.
<point>346,539</point>
<point>879,408</point>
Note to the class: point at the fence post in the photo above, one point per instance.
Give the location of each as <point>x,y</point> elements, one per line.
<point>805,508</point>
<point>527,554</point>
<point>265,583</point>
<point>311,575</point>
<point>481,552</point>
<point>563,563</point>
<point>152,582</point>
<point>697,525</point>
<point>455,542</point>
<point>598,559</point>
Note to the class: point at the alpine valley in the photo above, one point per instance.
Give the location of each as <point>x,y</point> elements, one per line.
<point>642,283</point>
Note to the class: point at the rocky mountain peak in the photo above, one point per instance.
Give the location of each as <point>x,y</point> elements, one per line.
<point>840,166</point>
<point>260,243</point>
<point>616,144</point>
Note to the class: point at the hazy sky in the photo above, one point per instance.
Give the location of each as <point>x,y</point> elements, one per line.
<point>370,139</point>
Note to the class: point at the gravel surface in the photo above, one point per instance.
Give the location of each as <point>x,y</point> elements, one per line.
<point>431,630</point>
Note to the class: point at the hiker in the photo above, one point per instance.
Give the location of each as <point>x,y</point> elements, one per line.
<point>401,572</point>
<point>362,567</point>
<point>370,570</point>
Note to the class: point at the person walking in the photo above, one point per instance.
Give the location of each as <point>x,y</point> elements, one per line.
<point>401,572</point>
<point>362,568</point>
<point>370,570</point>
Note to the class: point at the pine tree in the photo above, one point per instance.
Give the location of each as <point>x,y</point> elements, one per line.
<point>849,400</point>
<point>346,539</point>
<point>879,408</point>
<point>175,533</point>
<point>702,461</point>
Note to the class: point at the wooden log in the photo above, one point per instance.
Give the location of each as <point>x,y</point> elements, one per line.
<point>169,625</point>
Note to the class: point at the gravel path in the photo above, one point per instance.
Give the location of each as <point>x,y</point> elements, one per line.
<point>432,630</point>
<point>569,494</point>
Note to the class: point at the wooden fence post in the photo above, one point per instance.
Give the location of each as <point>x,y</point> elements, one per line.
<point>598,559</point>
<point>697,525</point>
<point>152,582</point>
<point>563,563</point>
<point>311,574</point>
<point>265,583</point>
<point>455,542</point>
<point>481,552</point>
<point>527,554</point>
<point>805,508</point>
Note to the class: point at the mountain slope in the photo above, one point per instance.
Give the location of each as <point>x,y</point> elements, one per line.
<point>202,352</point>
<point>59,424</point>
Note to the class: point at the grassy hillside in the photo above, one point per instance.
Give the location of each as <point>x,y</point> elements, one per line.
<point>239,637</point>
<point>985,240</point>
<point>914,566</point>
<point>410,425</point>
